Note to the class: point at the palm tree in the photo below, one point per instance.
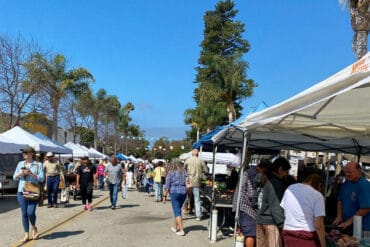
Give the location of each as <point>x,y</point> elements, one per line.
<point>93,105</point>
<point>55,81</point>
<point>360,21</point>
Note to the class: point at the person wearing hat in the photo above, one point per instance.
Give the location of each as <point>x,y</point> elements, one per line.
<point>195,168</point>
<point>54,173</point>
<point>31,171</point>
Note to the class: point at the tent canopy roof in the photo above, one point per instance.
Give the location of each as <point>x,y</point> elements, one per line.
<point>333,115</point>
<point>20,136</point>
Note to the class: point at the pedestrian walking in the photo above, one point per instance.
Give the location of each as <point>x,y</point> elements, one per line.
<point>159,180</point>
<point>195,168</point>
<point>176,187</point>
<point>54,174</point>
<point>114,176</point>
<point>100,173</point>
<point>86,178</point>
<point>29,171</point>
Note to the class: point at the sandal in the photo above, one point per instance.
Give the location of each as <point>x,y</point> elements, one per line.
<point>35,234</point>
<point>25,239</point>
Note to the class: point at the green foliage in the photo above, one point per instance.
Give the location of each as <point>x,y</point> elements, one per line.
<point>221,74</point>
<point>86,135</point>
<point>55,81</point>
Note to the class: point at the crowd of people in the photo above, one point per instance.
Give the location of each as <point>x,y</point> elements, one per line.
<point>274,208</point>
<point>50,176</point>
<point>276,211</point>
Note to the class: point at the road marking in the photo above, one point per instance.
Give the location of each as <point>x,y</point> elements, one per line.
<point>55,227</point>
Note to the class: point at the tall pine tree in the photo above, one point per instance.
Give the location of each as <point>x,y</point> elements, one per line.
<point>221,74</point>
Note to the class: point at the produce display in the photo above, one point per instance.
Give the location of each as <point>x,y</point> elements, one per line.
<point>222,193</point>
<point>336,238</point>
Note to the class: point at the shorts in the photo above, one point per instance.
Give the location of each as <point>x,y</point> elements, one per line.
<point>247,225</point>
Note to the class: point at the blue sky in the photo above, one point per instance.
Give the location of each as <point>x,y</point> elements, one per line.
<point>145,51</point>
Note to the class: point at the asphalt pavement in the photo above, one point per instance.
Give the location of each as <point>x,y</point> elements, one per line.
<point>137,221</point>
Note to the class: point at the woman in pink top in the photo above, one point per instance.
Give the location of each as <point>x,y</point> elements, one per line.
<point>100,172</point>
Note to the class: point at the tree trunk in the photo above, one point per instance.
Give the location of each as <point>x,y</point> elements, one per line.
<point>360,21</point>
<point>231,111</point>
<point>54,124</point>
<point>95,133</point>
<point>359,44</point>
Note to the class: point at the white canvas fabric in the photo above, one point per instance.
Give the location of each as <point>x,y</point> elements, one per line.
<point>333,115</point>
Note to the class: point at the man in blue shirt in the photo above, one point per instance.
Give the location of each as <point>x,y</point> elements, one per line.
<point>353,198</point>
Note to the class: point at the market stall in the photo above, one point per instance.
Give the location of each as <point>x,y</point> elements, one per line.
<point>329,117</point>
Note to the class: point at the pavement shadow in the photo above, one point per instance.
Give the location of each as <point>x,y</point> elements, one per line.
<point>62,234</point>
<point>8,203</point>
<point>128,206</point>
<point>195,228</point>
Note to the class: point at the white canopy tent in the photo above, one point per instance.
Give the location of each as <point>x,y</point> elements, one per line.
<point>221,158</point>
<point>333,115</point>
<point>78,151</point>
<point>97,154</point>
<point>8,147</point>
<point>20,136</point>
<point>50,141</point>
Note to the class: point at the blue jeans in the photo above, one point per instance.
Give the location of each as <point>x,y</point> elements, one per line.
<point>158,194</point>
<point>28,209</point>
<point>177,200</point>
<point>52,187</point>
<point>113,193</point>
<point>197,202</point>
<point>101,181</point>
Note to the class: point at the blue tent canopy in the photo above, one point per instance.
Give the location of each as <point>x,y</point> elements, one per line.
<point>121,156</point>
<point>206,139</point>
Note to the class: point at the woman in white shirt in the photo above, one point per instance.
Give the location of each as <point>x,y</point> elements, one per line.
<point>304,210</point>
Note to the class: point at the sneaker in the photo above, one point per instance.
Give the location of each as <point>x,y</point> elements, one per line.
<point>84,207</point>
<point>173,229</point>
<point>50,206</point>
<point>113,207</point>
<point>89,207</point>
<point>198,218</point>
<point>180,233</point>
<point>55,206</point>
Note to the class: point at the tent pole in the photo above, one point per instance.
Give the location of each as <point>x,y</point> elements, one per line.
<point>213,193</point>
<point>245,152</point>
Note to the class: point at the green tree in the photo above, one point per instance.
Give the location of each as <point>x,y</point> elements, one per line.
<point>55,80</point>
<point>221,74</point>
<point>93,106</point>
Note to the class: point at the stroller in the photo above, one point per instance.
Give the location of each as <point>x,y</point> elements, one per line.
<point>140,181</point>
<point>72,184</point>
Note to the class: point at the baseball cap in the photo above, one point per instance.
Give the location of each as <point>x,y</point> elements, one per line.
<point>28,149</point>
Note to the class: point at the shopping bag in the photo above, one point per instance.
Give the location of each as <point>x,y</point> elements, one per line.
<point>64,195</point>
<point>61,184</point>
<point>31,191</point>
